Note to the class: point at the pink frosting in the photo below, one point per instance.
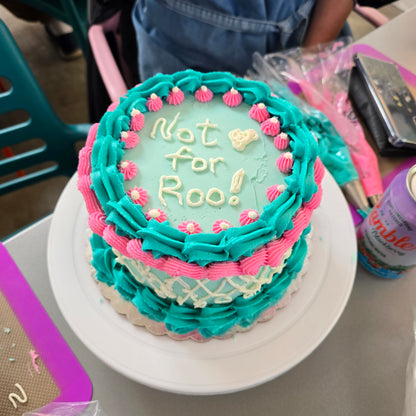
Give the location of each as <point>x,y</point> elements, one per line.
<point>84,156</point>
<point>204,94</point>
<point>189,227</point>
<point>130,138</point>
<point>138,195</point>
<point>271,126</point>
<point>274,191</point>
<point>259,112</point>
<point>96,222</point>
<point>277,249</point>
<point>232,98</point>
<point>175,267</point>
<point>221,225</point>
<point>281,141</point>
<point>315,201</point>
<point>154,103</point>
<point>285,162</point>
<point>156,214</point>
<point>114,240</point>
<point>137,120</point>
<point>128,169</point>
<point>92,134</point>
<point>319,169</point>
<point>91,200</point>
<point>134,247</point>
<point>248,216</point>
<point>250,264</point>
<point>175,96</point>
<point>300,222</point>
<point>228,268</point>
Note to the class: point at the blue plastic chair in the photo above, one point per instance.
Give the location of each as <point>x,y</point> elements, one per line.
<point>58,150</point>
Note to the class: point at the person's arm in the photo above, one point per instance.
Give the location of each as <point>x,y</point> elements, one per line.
<point>327,19</point>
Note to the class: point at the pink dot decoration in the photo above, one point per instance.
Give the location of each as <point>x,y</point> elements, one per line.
<point>232,98</point>
<point>137,120</point>
<point>128,169</point>
<point>221,225</point>
<point>203,94</point>
<point>175,96</point>
<point>155,214</point>
<point>154,103</point>
<point>189,227</point>
<point>259,112</point>
<point>285,162</point>
<point>138,195</point>
<point>248,216</point>
<point>281,141</point>
<point>130,138</point>
<point>271,126</point>
<point>274,191</point>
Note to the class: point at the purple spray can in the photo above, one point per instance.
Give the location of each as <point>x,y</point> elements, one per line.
<point>387,237</point>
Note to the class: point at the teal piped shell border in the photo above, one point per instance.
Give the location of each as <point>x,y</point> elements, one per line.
<point>203,248</point>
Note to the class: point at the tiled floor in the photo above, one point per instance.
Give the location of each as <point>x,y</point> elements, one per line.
<point>64,84</point>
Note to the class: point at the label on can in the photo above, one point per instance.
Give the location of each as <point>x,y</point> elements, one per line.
<point>387,237</point>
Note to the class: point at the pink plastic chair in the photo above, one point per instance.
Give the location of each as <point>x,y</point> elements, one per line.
<point>373,16</point>
<point>114,80</point>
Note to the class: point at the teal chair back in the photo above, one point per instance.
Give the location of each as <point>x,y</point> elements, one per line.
<point>57,154</point>
<point>73,12</point>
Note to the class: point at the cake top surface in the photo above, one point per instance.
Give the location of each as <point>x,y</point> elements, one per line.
<point>204,167</point>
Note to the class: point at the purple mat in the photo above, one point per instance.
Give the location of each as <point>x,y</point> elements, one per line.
<point>68,374</point>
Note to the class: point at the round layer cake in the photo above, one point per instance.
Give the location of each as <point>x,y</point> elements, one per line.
<point>200,190</point>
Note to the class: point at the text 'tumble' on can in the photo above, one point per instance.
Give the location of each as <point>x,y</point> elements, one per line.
<point>387,237</point>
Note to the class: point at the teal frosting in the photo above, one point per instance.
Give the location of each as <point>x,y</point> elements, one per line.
<point>203,248</point>
<point>213,320</point>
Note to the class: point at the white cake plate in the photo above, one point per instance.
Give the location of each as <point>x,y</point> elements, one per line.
<point>218,366</point>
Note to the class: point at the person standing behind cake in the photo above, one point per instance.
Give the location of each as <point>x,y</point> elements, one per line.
<point>222,35</point>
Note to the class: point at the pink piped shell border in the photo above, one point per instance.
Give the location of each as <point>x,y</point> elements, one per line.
<point>269,255</point>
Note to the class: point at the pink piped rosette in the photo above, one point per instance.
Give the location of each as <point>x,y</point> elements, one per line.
<point>221,225</point>
<point>128,169</point>
<point>156,214</point>
<point>204,94</point>
<point>189,227</point>
<point>274,191</point>
<point>175,96</point>
<point>281,141</point>
<point>130,138</point>
<point>136,120</point>
<point>232,98</point>
<point>248,216</point>
<point>285,162</point>
<point>271,126</point>
<point>138,195</point>
<point>259,112</point>
<point>154,103</point>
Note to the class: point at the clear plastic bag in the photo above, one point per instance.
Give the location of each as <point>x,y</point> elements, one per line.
<point>321,75</point>
<point>69,409</point>
<point>272,69</point>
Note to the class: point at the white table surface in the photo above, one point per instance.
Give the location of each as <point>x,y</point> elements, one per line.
<point>359,369</point>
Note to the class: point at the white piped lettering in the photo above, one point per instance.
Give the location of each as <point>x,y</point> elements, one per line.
<point>169,189</point>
